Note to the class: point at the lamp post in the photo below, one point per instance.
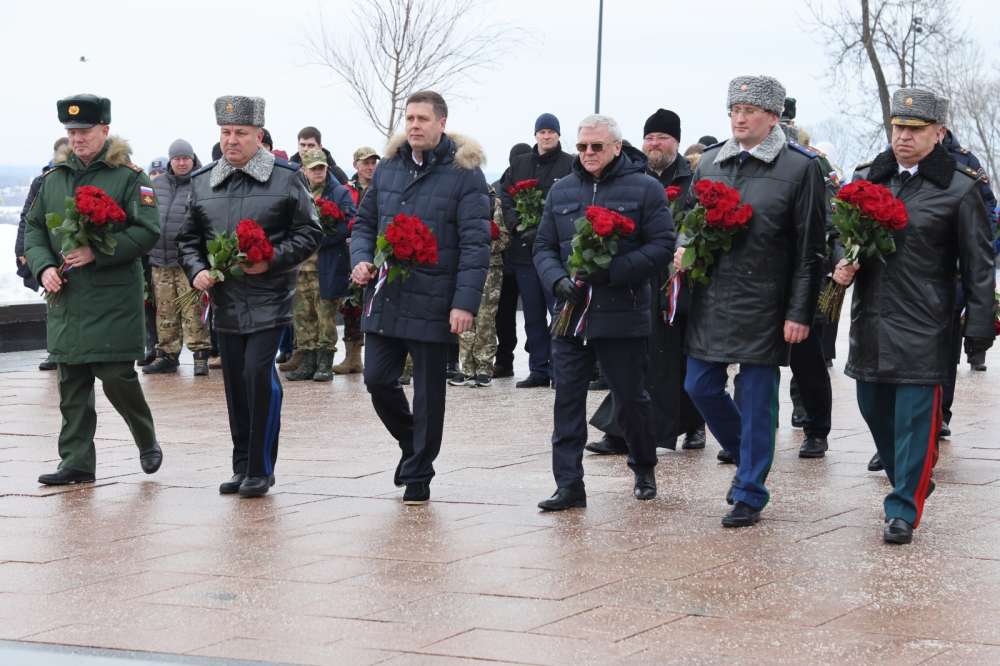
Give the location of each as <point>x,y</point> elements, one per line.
<point>916,28</point>
<point>600,32</point>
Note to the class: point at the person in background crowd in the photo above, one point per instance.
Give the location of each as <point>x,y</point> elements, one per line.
<point>605,173</point>
<point>762,293</point>
<point>61,147</point>
<point>902,308</point>
<point>310,138</point>
<point>322,279</point>
<point>95,327</point>
<point>674,415</point>
<point>251,312</point>
<point>174,326</point>
<point>547,162</point>
<point>693,155</point>
<point>158,167</point>
<point>506,321</point>
<point>435,177</point>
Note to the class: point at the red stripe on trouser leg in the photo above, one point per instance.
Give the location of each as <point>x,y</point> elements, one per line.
<point>930,458</point>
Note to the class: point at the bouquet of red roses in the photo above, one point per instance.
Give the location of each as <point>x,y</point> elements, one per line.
<point>85,223</point>
<point>330,215</point>
<point>528,202</point>
<point>227,254</point>
<point>866,215</point>
<point>594,245</point>
<point>407,241</point>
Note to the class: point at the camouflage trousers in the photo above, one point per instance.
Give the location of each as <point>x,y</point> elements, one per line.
<point>175,326</point>
<point>478,347</point>
<point>315,318</point>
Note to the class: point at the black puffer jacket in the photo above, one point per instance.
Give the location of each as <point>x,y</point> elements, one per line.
<point>772,273</point>
<point>902,312</point>
<point>334,261</point>
<point>23,271</point>
<point>547,168</point>
<point>449,194</point>
<point>172,197</point>
<point>620,309</point>
<point>283,207</point>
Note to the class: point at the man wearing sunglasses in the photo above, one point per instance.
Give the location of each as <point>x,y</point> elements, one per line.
<point>617,316</point>
<point>762,293</point>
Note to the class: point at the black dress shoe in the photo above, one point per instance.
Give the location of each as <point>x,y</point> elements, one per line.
<point>645,484</point>
<point>813,447</point>
<point>599,384</point>
<point>232,486</point>
<point>875,464</point>
<point>417,493</point>
<point>65,477</point>
<point>741,515</point>
<point>48,364</point>
<point>502,371</point>
<point>282,357</point>
<point>565,498</point>
<point>897,531</point>
<point>151,460</point>
<point>694,439</point>
<point>978,367</point>
<point>256,486</point>
<point>608,445</point>
<point>725,458</point>
<point>799,417</point>
<point>945,431</point>
<point>533,381</point>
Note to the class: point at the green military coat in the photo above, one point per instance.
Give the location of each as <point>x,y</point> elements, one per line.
<point>98,315</point>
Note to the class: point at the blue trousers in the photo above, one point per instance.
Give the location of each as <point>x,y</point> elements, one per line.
<point>745,430</point>
<point>536,305</point>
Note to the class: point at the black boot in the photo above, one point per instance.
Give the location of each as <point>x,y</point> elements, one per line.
<point>799,416</point>
<point>565,498</point>
<point>201,363</point>
<point>164,364</point>
<point>813,447</point>
<point>149,358</point>
<point>324,366</point>
<point>65,477</point>
<point>741,515</point>
<point>48,364</point>
<point>694,439</point>
<point>608,445</point>
<point>723,457</point>
<point>232,486</point>
<point>875,464</point>
<point>897,531</point>
<point>256,486</point>
<point>151,460</point>
<point>645,484</point>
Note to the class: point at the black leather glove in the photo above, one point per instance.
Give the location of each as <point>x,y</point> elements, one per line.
<point>528,237</point>
<point>977,345</point>
<point>566,290</point>
<point>600,276</point>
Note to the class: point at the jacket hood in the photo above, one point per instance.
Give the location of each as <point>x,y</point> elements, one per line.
<point>938,167</point>
<point>116,152</point>
<point>468,154</point>
<point>631,160</point>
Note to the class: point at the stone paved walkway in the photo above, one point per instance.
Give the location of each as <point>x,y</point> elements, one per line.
<point>330,568</point>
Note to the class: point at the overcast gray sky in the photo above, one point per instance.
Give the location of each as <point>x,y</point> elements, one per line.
<point>162,64</point>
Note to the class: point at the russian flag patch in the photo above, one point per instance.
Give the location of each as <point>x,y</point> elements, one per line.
<point>147,196</point>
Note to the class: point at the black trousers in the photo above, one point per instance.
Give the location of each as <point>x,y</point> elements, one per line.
<point>624,363</point>
<point>811,380</point>
<point>418,432</point>
<point>253,396</point>
<point>506,321</point>
<point>673,412</point>
<point>948,387</point>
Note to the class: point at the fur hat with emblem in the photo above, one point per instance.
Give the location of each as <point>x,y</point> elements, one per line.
<point>761,91</point>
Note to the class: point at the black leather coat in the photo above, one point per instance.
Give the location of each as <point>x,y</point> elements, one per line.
<point>620,309</point>
<point>547,168</point>
<point>285,210</point>
<point>772,273</point>
<point>901,315</point>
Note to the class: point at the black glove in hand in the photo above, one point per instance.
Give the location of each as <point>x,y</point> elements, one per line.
<point>566,290</point>
<point>600,276</point>
<point>977,345</point>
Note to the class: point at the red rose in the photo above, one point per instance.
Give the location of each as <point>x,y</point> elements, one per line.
<point>715,216</point>
<point>522,185</point>
<point>673,192</point>
<point>494,231</point>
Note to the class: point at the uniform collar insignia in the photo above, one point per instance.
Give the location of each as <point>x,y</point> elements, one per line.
<point>767,151</point>
<point>259,168</point>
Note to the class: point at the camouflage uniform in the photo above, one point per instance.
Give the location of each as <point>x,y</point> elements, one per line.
<point>315,318</point>
<point>174,326</point>
<point>478,346</point>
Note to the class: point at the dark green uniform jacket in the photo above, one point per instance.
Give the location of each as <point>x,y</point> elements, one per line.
<point>98,315</point>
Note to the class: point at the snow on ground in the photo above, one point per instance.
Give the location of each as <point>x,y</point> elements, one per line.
<point>11,288</point>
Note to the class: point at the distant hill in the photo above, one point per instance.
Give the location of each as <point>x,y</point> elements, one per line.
<point>12,176</point>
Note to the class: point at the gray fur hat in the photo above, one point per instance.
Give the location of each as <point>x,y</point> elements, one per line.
<point>914,107</point>
<point>239,110</point>
<point>762,91</point>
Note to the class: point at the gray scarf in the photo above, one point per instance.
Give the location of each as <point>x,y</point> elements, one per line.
<point>766,151</point>
<point>259,168</point>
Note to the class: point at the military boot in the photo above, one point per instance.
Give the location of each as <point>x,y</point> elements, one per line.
<point>201,363</point>
<point>352,361</point>
<point>324,359</point>
<point>165,363</point>
<point>306,369</point>
<point>292,363</point>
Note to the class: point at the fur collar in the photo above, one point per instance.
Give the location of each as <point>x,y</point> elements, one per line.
<point>116,152</point>
<point>468,153</point>
<point>766,151</point>
<point>938,167</point>
<point>259,168</point>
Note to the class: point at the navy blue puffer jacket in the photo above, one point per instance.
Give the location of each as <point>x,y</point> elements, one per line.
<point>620,309</point>
<point>449,194</point>
<point>334,261</point>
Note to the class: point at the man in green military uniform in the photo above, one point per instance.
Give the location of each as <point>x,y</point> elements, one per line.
<point>95,323</point>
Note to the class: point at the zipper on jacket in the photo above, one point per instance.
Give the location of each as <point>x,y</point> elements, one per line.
<point>593,199</point>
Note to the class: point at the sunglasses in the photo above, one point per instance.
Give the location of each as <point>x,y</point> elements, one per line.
<point>596,147</point>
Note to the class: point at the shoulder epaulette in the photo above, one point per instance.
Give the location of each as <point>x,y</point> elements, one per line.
<point>968,171</point>
<point>863,165</point>
<point>964,151</point>
<point>805,150</point>
<point>207,167</point>
<point>714,145</point>
<point>134,167</point>
<point>286,165</point>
